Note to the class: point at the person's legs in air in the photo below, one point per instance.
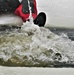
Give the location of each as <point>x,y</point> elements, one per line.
<point>23,10</point>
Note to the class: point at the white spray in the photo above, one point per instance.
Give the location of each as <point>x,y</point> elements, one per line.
<point>30,16</point>
<point>29,26</point>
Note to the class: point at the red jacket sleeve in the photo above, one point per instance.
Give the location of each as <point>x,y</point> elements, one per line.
<point>24,16</point>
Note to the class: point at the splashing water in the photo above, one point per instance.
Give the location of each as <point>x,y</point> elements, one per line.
<point>35,46</point>
<point>30,16</point>
<point>30,27</point>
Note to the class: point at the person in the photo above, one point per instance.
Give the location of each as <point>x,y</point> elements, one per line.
<point>24,14</point>
<point>21,9</point>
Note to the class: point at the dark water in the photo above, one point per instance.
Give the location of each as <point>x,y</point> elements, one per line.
<point>70,34</point>
<point>59,31</point>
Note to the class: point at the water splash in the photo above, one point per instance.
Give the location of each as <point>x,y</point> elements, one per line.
<point>30,27</point>
<point>30,16</point>
<point>35,46</point>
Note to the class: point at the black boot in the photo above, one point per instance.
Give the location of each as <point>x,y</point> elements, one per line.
<point>40,20</point>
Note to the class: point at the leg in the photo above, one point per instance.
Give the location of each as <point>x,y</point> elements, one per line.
<point>23,10</point>
<point>40,20</point>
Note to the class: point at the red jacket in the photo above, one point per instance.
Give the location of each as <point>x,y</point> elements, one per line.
<point>24,16</point>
